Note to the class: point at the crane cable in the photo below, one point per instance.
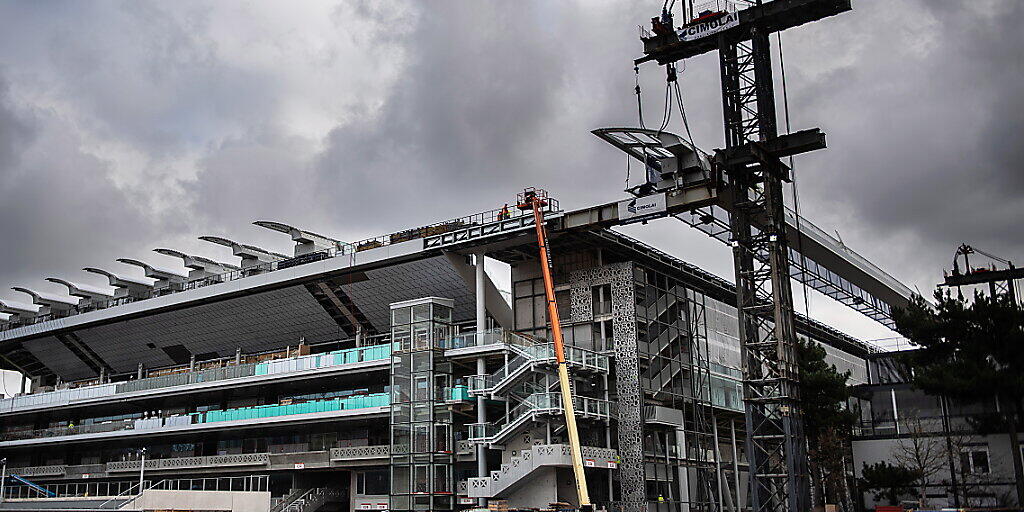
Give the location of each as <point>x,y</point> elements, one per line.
<point>686,123</point>
<point>796,190</point>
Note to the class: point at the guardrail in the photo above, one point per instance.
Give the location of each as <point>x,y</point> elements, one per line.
<point>361,452</point>
<point>54,470</point>
<point>243,413</point>
<point>538,403</point>
<point>240,459</point>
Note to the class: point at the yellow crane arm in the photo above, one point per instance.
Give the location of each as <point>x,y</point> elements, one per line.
<point>533,200</point>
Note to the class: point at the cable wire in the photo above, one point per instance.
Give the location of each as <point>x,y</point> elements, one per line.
<point>796,190</point>
<point>639,103</point>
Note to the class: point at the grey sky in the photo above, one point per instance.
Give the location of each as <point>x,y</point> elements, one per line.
<point>126,126</point>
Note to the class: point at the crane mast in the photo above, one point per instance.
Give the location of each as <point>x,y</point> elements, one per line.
<point>752,174</point>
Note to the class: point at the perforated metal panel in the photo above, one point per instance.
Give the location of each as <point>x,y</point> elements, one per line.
<point>627,369</point>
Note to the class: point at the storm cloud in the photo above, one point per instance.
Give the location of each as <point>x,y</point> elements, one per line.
<point>130,125</point>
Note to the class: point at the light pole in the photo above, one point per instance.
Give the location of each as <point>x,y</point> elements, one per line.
<point>142,470</point>
<point>3,478</point>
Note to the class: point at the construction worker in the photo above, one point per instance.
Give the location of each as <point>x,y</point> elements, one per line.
<point>504,214</point>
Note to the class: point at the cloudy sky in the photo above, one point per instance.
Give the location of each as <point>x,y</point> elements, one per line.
<point>128,125</point>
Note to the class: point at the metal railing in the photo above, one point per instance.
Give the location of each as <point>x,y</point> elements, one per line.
<point>242,413</point>
<point>277,366</point>
<point>539,403</point>
<point>530,352</point>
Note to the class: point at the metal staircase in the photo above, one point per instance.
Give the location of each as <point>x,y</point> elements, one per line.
<point>309,501</point>
<point>524,464</point>
<point>534,405</point>
<point>530,354</point>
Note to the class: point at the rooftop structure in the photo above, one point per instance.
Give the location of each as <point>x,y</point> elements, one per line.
<point>286,376</point>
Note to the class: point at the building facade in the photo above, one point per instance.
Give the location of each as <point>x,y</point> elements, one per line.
<point>390,374</point>
<point>934,436</point>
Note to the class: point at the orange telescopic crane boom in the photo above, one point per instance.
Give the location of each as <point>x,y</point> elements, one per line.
<point>536,199</point>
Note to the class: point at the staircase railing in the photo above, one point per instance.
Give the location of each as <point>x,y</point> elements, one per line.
<point>311,500</point>
<point>537,403</point>
<point>529,353</point>
<point>288,499</point>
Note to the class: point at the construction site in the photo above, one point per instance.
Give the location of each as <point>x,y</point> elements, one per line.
<point>393,373</point>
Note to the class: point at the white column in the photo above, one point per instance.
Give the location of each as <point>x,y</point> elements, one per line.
<point>142,472</point>
<point>481,364</point>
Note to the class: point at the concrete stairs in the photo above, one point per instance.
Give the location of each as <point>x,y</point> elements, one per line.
<point>525,464</point>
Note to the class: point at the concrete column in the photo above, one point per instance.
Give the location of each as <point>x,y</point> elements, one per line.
<point>481,364</point>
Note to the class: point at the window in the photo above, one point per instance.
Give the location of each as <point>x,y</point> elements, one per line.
<point>372,482</point>
<point>974,461</point>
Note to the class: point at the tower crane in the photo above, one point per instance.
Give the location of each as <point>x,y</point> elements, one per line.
<point>748,178</point>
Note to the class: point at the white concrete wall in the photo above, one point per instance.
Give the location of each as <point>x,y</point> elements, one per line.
<point>541,490</point>
<point>235,501</point>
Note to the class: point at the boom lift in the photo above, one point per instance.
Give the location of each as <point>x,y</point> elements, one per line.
<point>535,200</point>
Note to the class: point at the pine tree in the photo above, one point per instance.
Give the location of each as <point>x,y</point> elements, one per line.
<point>827,420</point>
<point>967,350</point>
<point>889,482</point>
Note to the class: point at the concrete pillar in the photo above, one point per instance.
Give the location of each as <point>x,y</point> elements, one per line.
<point>238,355</point>
<point>139,375</point>
<point>481,364</point>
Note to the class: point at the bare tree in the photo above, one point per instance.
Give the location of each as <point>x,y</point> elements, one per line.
<point>924,451</point>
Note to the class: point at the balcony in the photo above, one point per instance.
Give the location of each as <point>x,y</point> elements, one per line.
<point>276,368</point>
<point>196,421</point>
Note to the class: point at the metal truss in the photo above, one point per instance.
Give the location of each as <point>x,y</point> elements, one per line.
<point>715,222</point>
<point>776,448</point>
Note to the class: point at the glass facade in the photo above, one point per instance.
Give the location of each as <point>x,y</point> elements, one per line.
<point>422,453</point>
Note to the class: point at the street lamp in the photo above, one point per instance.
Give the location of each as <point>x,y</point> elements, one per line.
<point>142,470</point>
